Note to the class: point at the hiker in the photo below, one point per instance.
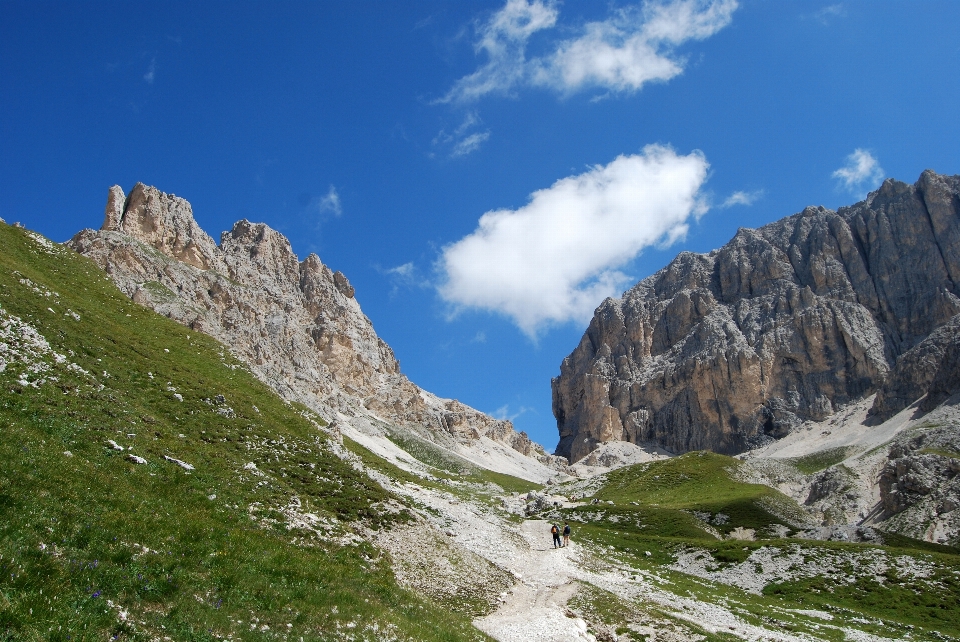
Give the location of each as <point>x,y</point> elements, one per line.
<point>566,533</point>
<point>555,531</point>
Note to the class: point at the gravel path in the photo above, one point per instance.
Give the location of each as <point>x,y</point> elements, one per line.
<point>534,608</point>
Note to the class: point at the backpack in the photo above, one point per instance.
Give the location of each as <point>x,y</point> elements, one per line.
<point>554,529</point>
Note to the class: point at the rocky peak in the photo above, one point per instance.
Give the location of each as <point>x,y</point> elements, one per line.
<point>297,324</point>
<point>163,221</point>
<point>256,254</point>
<point>783,324</point>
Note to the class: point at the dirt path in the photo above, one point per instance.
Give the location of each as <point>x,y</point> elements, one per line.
<point>534,609</point>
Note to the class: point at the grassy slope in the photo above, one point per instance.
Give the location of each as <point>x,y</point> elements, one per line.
<point>651,519</point>
<point>93,545</point>
<point>665,495</point>
<point>821,460</point>
<point>448,465</point>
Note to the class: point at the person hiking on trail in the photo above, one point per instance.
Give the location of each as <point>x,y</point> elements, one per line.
<point>555,531</point>
<point>566,534</point>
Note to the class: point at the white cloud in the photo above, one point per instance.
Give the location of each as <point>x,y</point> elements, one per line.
<point>504,40</point>
<point>404,276</point>
<point>861,173</point>
<point>557,257</point>
<point>330,203</point>
<point>503,413</point>
<point>742,198</point>
<point>479,337</point>
<point>463,140</point>
<point>151,72</point>
<point>829,12</point>
<point>404,271</point>
<point>632,47</point>
<point>469,144</point>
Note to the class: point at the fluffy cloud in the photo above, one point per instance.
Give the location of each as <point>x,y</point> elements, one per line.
<point>633,47</point>
<point>557,257</point>
<point>828,13</point>
<point>861,173</point>
<point>622,53</point>
<point>469,144</point>
<point>151,72</point>
<point>404,276</point>
<point>503,412</point>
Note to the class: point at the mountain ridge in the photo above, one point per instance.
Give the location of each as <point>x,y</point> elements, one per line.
<point>296,323</point>
<point>786,323</point>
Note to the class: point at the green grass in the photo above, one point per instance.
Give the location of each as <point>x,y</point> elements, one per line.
<point>508,483</point>
<point>160,292</point>
<point>889,610</point>
<point>382,465</point>
<point>194,555</point>
<point>929,604</point>
<point>450,466</point>
<point>821,460</point>
<point>700,482</point>
<point>598,605</point>
<point>910,545</point>
<point>430,454</point>
<point>657,511</point>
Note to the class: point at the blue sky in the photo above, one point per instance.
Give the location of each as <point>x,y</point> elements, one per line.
<point>483,172</point>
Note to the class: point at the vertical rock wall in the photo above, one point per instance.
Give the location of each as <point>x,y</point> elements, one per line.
<point>785,323</point>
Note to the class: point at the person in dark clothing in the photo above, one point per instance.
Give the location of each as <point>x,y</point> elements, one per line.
<point>566,533</point>
<point>555,531</point>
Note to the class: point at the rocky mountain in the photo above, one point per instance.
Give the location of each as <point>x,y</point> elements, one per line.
<point>784,324</point>
<point>296,323</point>
<point>151,487</point>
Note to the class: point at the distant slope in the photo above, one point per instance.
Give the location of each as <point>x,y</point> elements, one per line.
<point>696,497</point>
<point>728,350</point>
<point>151,486</point>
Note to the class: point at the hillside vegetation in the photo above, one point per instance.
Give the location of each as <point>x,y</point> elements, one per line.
<point>689,525</point>
<point>242,518</point>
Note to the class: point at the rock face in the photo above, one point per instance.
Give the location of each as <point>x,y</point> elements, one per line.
<point>296,323</point>
<point>930,368</point>
<point>786,323</point>
<point>920,485</point>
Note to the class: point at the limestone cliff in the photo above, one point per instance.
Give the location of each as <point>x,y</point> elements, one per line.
<point>296,323</point>
<point>786,323</point>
